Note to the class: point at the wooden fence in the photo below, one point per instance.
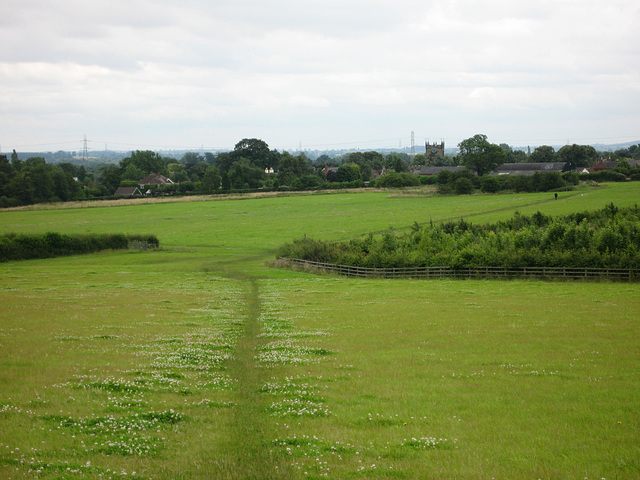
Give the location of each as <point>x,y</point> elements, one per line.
<point>549,273</point>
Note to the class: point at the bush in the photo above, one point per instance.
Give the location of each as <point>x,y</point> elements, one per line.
<point>52,244</point>
<point>572,178</point>
<point>463,186</point>
<point>604,176</point>
<point>489,184</point>
<point>545,181</point>
<point>397,180</point>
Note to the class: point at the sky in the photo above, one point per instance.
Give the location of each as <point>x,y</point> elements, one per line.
<point>316,74</point>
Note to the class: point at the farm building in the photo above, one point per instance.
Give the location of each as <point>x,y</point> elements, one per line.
<point>422,170</point>
<point>531,168</point>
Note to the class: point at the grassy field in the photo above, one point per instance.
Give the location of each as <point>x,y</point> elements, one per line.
<point>201,361</point>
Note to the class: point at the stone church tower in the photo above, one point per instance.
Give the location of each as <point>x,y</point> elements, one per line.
<point>434,151</point>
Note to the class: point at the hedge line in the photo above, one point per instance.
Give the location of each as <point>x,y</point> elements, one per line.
<point>607,238</point>
<point>51,244</point>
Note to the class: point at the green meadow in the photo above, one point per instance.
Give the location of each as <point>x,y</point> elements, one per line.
<point>200,360</point>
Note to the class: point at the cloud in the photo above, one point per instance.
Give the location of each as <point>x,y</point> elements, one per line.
<point>345,68</point>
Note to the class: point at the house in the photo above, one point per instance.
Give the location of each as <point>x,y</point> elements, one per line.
<point>127,191</point>
<point>531,168</point>
<point>155,179</point>
<point>600,165</point>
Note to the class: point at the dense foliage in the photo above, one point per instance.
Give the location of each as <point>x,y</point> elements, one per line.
<point>605,238</point>
<point>24,247</point>
<point>478,154</point>
<point>465,182</point>
<point>253,166</point>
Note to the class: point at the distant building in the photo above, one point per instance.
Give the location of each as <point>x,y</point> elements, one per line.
<point>600,165</point>
<point>155,179</point>
<point>127,191</point>
<point>422,170</point>
<point>531,168</point>
<point>434,151</point>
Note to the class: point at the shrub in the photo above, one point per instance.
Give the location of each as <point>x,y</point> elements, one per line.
<point>604,176</point>
<point>489,184</point>
<point>52,244</point>
<point>397,180</point>
<point>609,238</point>
<point>463,186</point>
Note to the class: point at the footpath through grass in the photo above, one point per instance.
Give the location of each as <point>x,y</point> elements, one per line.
<point>200,361</point>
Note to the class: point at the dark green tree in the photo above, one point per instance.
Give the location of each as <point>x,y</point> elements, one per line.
<point>224,160</point>
<point>490,184</point>
<point>177,172</point>
<point>42,179</point>
<point>62,184</point>
<point>191,157</point>
<point>146,161</point>
<point>131,172</point>
<point>543,153</point>
<point>398,163</point>
<point>577,155</point>
<point>210,182</point>
<point>110,178</point>
<point>513,156</point>
<point>463,186</point>
<point>292,168</point>
<point>480,155</point>
<point>257,152</point>
<point>244,174</point>
<point>197,171</point>
<point>6,174</point>
<point>348,172</point>
<point>21,187</point>
<point>225,183</point>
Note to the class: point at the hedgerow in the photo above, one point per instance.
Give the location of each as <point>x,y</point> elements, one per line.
<point>606,238</point>
<point>51,244</point>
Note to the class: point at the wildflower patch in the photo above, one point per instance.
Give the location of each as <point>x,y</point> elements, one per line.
<point>118,435</point>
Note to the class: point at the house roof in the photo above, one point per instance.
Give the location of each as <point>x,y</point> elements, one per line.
<point>424,170</point>
<point>530,168</point>
<point>123,191</point>
<point>155,179</point>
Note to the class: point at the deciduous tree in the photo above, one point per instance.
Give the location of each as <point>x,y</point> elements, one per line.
<point>577,155</point>
<point>480,155</point>
<point>543,153</point>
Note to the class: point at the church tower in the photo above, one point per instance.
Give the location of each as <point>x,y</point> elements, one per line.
<point>435,150</point>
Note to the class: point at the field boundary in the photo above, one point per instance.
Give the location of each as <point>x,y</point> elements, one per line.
<point>544,273</point>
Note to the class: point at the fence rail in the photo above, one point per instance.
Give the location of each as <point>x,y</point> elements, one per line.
<point>550,273</point>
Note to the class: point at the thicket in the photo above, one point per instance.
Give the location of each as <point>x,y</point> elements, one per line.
<point>465,182</point>
<point>606,238</point>
<point>24,247</point>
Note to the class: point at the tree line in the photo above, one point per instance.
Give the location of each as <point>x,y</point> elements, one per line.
<point>252,165</point>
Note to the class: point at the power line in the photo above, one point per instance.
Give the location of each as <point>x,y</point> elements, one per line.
<point>85,150</point>
<point>391,143</point>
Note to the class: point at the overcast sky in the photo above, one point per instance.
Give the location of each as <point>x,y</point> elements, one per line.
<point>135,74</point>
